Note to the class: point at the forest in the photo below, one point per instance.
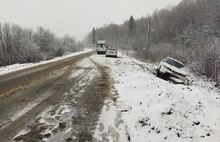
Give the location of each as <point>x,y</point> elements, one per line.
<point>25,45</point>
<point>189,32</point>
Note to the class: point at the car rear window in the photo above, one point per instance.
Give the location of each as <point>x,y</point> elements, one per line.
<point>111,49</point>
<point>101,45</point>
<point>174,63</point>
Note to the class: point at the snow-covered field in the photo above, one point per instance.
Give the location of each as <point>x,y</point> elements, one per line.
<point>148,108</point>
<point>151,109</point>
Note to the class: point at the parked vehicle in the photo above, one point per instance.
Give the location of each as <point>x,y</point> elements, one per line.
<point>101,47</point>
<point>111,52</point>
<point>170,67</point>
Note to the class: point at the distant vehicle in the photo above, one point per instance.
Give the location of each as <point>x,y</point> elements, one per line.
<point>170,67</point>
<point>111,52</point>
<point>101,47</point>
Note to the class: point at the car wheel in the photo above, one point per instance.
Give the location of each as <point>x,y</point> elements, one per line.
<point>158,73</point>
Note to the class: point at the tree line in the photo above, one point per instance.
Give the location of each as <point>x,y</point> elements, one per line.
<point>25,45</point>
<point>189,32</point>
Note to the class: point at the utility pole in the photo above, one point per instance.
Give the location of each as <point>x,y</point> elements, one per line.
<point>148,38</point>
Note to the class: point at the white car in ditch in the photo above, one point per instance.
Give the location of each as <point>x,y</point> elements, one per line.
<point>170,67</point>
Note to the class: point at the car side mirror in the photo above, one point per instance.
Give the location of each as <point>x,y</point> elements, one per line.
<point>164,60</point>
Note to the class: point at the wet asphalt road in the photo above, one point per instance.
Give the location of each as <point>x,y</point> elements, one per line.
<point>44,103</point>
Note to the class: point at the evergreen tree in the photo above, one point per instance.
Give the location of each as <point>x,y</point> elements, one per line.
<point>132,27</point>
<point>93,36</point>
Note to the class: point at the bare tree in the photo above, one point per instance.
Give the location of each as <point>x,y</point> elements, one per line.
<point>3,46</point>
<point>69,43</point>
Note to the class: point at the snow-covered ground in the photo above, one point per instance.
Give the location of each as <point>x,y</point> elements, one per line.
<point>148,108</point>
<point>151,109</point>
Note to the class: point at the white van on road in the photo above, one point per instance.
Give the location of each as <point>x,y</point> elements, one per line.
<point>101,47</point>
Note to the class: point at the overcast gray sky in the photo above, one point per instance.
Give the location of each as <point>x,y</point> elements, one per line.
<point>76,17</point>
